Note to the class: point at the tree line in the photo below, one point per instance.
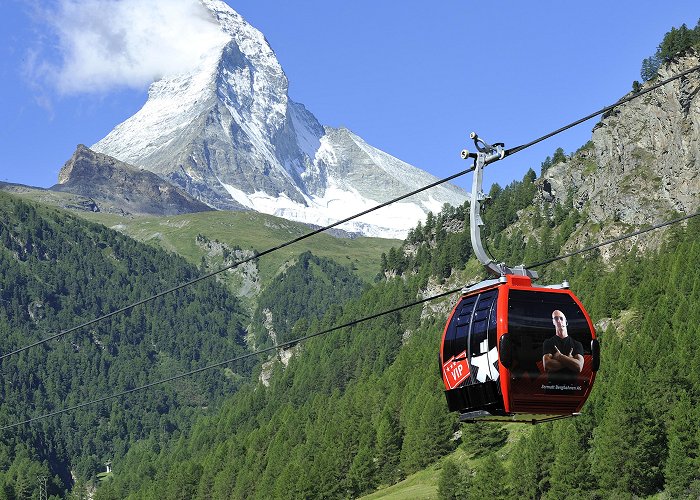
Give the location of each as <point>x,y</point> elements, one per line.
<point>674,43</point>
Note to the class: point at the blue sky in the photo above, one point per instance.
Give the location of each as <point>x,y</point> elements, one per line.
<point>411,78</point>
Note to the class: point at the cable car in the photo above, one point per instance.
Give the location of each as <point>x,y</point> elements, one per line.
<point>513,351</point>
<point>496,346</point>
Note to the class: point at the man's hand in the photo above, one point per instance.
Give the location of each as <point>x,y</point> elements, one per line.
<point>567,360</point>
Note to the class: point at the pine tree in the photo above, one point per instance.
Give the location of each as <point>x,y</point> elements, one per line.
<point>570,474</point>
<point>681,468</point>
<point>627,452</point>
<point>528,476</point>
<point>388,447</point>
<point>650,67</point>
<point>23,488</point>
<point>362,471</point>
<point>489,479</point>
<point>454,482</point>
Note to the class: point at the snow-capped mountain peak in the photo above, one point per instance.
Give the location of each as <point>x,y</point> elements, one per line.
<point>228,134</point>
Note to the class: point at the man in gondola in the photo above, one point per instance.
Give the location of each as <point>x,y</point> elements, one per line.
<point>562,357</point>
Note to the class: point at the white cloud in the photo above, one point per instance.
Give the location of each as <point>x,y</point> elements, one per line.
<point>107,44</point>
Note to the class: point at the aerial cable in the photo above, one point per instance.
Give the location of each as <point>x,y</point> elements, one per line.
<point>507,152</point>
<point>324,332</point>
<point>627,99</point>
<point>232,266</point>
<point>228,361</point>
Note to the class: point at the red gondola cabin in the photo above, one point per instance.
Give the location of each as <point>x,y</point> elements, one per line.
<point>512,351</point>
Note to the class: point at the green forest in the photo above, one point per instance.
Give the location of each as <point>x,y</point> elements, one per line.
<point>58,271</point>
<point>303,292</point>
<point>355,410</point>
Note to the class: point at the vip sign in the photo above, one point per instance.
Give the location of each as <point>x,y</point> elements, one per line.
<point>456,370</point>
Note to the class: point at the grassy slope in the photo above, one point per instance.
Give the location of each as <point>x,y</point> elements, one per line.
<point>423,484</point>
<point>249,230</point>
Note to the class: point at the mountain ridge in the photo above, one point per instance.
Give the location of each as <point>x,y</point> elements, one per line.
<point>229,134</point>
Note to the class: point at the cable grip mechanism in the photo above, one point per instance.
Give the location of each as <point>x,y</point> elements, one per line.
<point>491,153</point>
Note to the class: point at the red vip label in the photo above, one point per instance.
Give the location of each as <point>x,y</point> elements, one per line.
<point>456,370</point>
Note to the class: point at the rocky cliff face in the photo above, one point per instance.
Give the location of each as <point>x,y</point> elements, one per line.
<point>112,184</point>
<point>648,151</point>
<point>643,162</point>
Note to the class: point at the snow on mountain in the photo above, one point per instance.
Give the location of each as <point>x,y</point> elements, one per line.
<point>339,198</point>
<point>228,134</point>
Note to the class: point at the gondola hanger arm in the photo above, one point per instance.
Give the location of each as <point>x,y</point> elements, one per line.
<point>486,153</point>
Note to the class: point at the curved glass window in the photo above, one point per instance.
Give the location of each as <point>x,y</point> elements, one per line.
<point>471,337</point>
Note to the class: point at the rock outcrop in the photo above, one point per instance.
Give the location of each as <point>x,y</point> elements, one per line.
<point>113,184</point>
<point>642,165</point>
<point>648,150</point>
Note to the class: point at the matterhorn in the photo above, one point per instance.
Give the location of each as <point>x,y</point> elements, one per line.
<point>228,134</point>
